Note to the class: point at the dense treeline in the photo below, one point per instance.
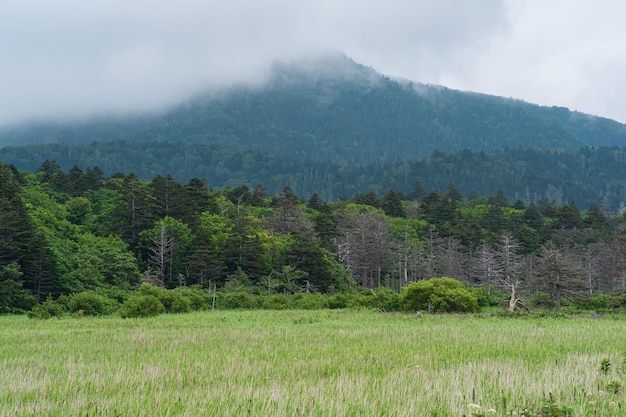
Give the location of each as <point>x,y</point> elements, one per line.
<point>68,232</point>
<point>582,176</point>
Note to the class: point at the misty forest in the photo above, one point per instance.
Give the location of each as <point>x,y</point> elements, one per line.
<point>330,186</point>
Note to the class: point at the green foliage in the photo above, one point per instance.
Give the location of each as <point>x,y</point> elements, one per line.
<point>438,295</point>
<point>91,304</point>
<point>231,240</point>
<point>315,301</point>
<point>172,300</point>
<point>235,300</point>
<point>338,301</point>
<point>541,299</point>
<point>14,298</point>
<point>386,300</point>
<point>275,302</point>
<point>605,366</point>
<point>600,302</point>
<point>199,299</point>
<point>47,309</point>
<point>485,299</point>
<point>141,306</point>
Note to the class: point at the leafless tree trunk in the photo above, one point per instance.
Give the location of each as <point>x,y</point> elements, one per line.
<point>160,253</point>
<point>510,278</point>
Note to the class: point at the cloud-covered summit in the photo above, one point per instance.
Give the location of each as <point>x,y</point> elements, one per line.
<point>72,59</point>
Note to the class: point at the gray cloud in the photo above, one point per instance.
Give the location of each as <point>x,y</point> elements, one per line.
<point>68,58</point>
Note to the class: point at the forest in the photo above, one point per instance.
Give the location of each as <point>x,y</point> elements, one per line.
<point>581,176</point>
<point>81,232</point>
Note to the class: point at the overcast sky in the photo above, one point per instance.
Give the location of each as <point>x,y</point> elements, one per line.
<point>79,57</point>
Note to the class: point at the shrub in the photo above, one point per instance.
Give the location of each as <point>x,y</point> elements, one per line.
<point>235,300</point>
<point>360,300</point>
<point>601,302</point>
<point>199,299</point>
<point>309,301</point>
<point>47,309</point>
<point>386,300</point>
<point>541,299</point>
<point>173,301</point>
<point>141,306</point>
<point>337,301</point>
<point>275,302</point>
<point>438,295</point>
<point>485,299</point>
<point>91,304</point>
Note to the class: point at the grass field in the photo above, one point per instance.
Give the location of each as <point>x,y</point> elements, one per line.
<point>312,363</point>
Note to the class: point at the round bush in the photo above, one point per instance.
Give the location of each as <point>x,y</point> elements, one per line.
<point>387,300</point>
<point>438,295</point>
<point>337,301</point>
<point>173,301</point>
<point>47,309</point>
<point>91,304</point>
<point>141,306</point>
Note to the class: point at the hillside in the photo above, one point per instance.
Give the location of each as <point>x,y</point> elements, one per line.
<point>333,109</point>
<point>336,128</point>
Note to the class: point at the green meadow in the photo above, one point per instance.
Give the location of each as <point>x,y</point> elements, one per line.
<point>313,363</point>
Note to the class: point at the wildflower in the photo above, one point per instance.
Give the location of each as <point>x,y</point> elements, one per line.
<point>474,407</point>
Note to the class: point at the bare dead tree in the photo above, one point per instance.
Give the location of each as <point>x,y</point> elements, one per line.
<point>487,269</point>
<point>559,274</point>
<point>510,278</point>
<point>365,246</point>
<point>160,253</point>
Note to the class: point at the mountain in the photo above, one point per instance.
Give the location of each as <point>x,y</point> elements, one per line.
<point>337,128</point>
<point>333,109</point>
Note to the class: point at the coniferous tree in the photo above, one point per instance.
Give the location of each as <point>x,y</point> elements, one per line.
<point>392,204</point>
<point>133,210</point>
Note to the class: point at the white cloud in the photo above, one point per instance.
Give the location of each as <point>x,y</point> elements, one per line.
<point>74,58</point>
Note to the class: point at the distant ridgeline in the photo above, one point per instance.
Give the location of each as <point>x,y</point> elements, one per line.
<point>580,176</point>
<point>336,128</point>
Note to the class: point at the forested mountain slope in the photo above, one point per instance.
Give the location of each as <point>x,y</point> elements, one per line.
<point>582,176</point>
<point>333,109</point>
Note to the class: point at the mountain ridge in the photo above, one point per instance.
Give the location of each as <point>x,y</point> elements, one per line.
<point>337,110</point>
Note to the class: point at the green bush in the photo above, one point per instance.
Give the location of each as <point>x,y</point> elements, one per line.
<point>303,301</point>
<point>337,301</point>
<point>485,299</point>
<point>438,295</point>
<point>199,299</point>
<point>47,309</point>
<point>386,300</point>
<point>173,301</point>
<point>601,302</point>
<point>541,299</point>
<point>91,304</point>
<point>274,302</point>
<point>361,299</point>
<point>235,300</point>
<point>141,306</point>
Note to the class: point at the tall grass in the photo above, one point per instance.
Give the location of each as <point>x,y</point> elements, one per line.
<point>316,363</point>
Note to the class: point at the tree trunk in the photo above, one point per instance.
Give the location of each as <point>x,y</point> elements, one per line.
<point>513,299</point>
